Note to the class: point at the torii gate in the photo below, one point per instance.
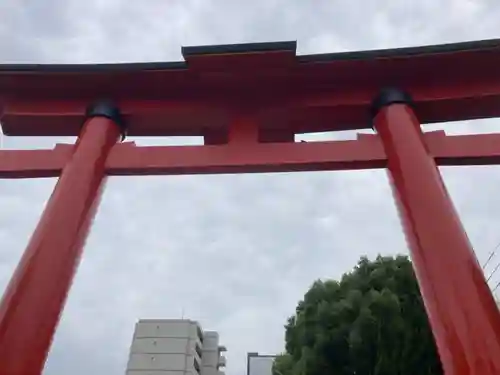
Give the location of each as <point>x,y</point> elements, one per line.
<point>248,101</point>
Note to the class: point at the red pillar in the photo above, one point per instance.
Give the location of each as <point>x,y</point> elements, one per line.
<point>462,312</point>
<point>35,297</point>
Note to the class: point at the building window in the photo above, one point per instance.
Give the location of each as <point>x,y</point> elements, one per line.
<point>200,334</point>
<point>198,350</point>
<point>196,365</point>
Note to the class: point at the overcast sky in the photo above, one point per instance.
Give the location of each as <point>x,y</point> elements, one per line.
<point>234,252</point>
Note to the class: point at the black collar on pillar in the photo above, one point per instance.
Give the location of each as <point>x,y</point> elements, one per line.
<point>107,108</point>
<point>388,96</point>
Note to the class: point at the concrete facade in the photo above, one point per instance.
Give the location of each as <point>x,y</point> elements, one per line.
<point>212,359</point>
<point>174,347</point>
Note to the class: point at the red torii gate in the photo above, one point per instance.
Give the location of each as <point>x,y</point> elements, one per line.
<point>248,101</point>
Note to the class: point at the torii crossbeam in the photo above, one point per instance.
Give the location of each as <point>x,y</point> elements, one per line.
<point>248,102</point>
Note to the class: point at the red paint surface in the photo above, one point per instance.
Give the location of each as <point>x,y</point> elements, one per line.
<point>34,163</point>
<point>291,95</point>
<point>463,314</point>
<point>366,152</point>
<point>33,301</point>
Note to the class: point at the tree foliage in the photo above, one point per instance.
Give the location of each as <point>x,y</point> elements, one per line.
<point>371,322</point>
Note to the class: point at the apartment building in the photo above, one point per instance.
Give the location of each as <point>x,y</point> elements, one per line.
<point>174,347</point>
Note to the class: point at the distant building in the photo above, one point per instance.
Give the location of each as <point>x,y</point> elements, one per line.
<point>260,364</point>
<point>212,359</point>
<point>174,347</point>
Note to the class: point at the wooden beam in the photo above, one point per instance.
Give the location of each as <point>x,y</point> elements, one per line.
<point>34,163</point>
<point>247,158</point>
<point>366,152</point>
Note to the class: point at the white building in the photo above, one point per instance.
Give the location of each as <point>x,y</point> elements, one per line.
<point>212,359</point>
<point>174,347</point>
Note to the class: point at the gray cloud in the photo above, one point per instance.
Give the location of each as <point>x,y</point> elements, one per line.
<point>235,252</point>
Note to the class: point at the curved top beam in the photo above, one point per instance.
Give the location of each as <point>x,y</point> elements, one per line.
<point>291,93</point>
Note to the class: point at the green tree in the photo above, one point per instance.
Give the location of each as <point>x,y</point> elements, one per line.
<point>371,322</point>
